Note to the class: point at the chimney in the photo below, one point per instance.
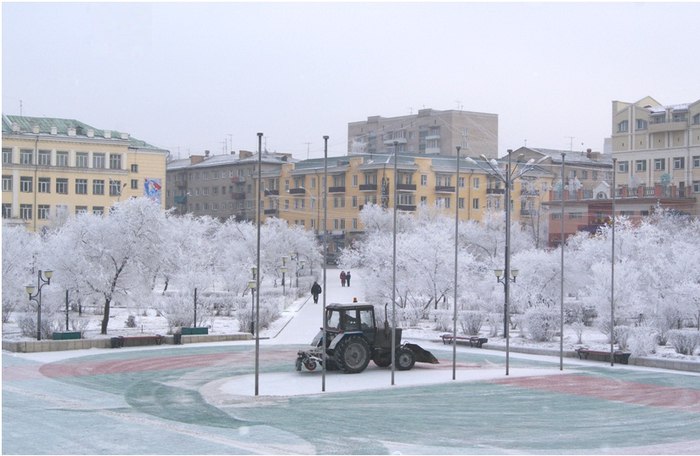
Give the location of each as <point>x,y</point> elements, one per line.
<point>588,153</point>
<point>244,154</point>
<point>125,135</point>
<point>206,154</point>
<point>108,134</point>
<point>54,130</point>
<point>71,131</point>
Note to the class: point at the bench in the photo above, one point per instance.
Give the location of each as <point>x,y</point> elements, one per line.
<point>136,341</point>
<point>473,341</point>
<point>598,355</point>
<point>65,335</point>
<point>194,331</point>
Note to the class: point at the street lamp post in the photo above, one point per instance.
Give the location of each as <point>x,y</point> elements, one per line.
<point>257,265</point>
<point>507,178</point>
<point>42,280</point>
<point>454,316</point>
<point>253,285</point>
<point>283,270</point>
<point>324,340</point>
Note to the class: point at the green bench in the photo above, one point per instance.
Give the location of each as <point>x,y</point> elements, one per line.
<point>194,331</point>
<point>65,335</point>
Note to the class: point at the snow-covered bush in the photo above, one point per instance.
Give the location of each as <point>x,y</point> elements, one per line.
<point>684,341</point>
<point>495,321</point>
<point>578,327</point>
<point>27,325</point>
<point>471,321</point>
<point>643,341</point>
<point>541,323</point>
<point>410,316</point>
<point>622,336</point>
<point>130,321</point>
<point>442,319</point>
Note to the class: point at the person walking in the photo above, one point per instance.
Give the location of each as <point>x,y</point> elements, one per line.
<point>315,291</point>
<point>343,277</point>
<point>347,278</point>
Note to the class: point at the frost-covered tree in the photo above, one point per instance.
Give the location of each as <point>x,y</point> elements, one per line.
<point>20,249</point>
<point>114,257</point>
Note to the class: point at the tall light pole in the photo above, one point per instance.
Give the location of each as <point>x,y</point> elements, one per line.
<point>257,266</point>
<point>454,316</point>
<point>253,284</point>
<point>283,270</point>
<point>393,262</point>
<point>325,260</point>
<point>42,280</point>
<point>507,178</point>
<point>561,287</point>
<point>612,269</point>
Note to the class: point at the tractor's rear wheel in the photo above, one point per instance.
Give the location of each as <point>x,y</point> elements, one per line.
<point>352,355</point>
<point>405,359</point>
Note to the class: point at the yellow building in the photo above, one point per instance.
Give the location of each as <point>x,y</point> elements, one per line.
<point>53,168</point>
<point>295,194</point>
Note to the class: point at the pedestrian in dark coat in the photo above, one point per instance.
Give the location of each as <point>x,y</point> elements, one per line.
<point>315,291</point>
<point>343,277</point>
<point>347,278</point>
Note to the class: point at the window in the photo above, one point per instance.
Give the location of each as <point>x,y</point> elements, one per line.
<point>98,187</point>
<point>98,210</point>
<point>81,210</point>
<point>679,163</point>
<point>6,156</point>
<point>696,161</point>
<point>461,182</point>
<point>313,182</point>
<point>354,223</point>
<point>659,164</point>
<point>623,126</point>
<point>81,160</point>
<point>135,169</point>
<point>423,180</point>
<point>115,187</point>
<point>45,158</point>
<point>354,201</point>
<point>6,210</point>
<point>423,200</point>
<point>25,211</point>
<point>62,159</point>
<point>594,175</point>
<point>354,180</point>
<point>115,161</point>
<point>641,124</point>
<point>26,184</point>
<point>62,186</point>
<point>44,185</point>
<point>81,186</point>
<point>6,183</point>
<point>98,161</point>
<point>443,202</point>
<point>475,203</point>
<point>640,165</point>
<point>26,157</point>
<point>584,174</point>
<point>135,185</point>
<point>339,201</point>
<point>43,211</point>
<point>460,202</point>
<point>623,167</point>
<point>696,186</point>
<point>476,183</point>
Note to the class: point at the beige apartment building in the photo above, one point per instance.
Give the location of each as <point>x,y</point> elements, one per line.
<point>430,132</point>
<point>657,149</point>
<point>53,168</point>
<point>296,194</point>
<point>220,186</point>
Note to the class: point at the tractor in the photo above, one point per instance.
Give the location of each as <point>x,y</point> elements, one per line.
<point>353,339</point>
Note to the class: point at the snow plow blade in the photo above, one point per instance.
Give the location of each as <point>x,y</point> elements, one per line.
<point>422,355</point>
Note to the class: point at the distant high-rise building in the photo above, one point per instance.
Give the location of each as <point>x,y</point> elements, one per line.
<point>430,132</point>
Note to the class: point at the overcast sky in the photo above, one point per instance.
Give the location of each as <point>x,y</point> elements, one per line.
<point>193,76</point>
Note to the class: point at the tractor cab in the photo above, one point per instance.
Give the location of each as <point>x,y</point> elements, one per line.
<point>351,318</point>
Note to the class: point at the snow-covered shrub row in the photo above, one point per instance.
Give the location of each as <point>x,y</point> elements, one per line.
<point>138,252</point>
<point>471,321</point>
<point>684,341</point>
<point>541,323</point>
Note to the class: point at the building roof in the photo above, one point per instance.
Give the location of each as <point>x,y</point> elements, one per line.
<point>574,157</point>
<point>27,125</point>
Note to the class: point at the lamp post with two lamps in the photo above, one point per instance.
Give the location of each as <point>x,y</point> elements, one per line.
<point>508,178</point>
<point>283,270</point>
<point>42,279</point>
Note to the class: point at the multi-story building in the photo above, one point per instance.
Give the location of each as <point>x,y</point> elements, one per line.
<point>52,168</point>
<point>430,132</point>
<point>657,149</point>
<point>220,186</point>
<point>296,194</point>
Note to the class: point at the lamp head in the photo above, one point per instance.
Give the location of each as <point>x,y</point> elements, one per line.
<point>283,269</point>
<point>498,272</point>
<point>29,289</point>
<point>254,270</point>
<point>514,273</point>
<point>252,284</point>
<point>48,274</point>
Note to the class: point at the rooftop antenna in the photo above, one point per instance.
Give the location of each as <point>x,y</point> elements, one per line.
<point>20,108</point>
<point>571,143</point>
<point>459,105</point>
<point>307,149</point>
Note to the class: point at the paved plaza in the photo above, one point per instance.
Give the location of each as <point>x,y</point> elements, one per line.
<point>199,399</point>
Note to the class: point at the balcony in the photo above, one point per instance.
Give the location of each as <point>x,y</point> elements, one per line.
<point>180,199</point>
<point>336,189</point>
<point>368,187</point>
<point>297,191</point>
<point>495,191</point>
<point>667,126</point>
<point>407,187</point>
<point>406,207</point>
<point>272,192</point>
<point>444,189</point>
<point>529,193</point>
<point>238,195</point>
<point>271,212</point>
<point>238,179</point>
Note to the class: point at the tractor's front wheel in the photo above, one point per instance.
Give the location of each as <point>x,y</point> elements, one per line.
<point>405,359</point>
<point>352,355</point>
